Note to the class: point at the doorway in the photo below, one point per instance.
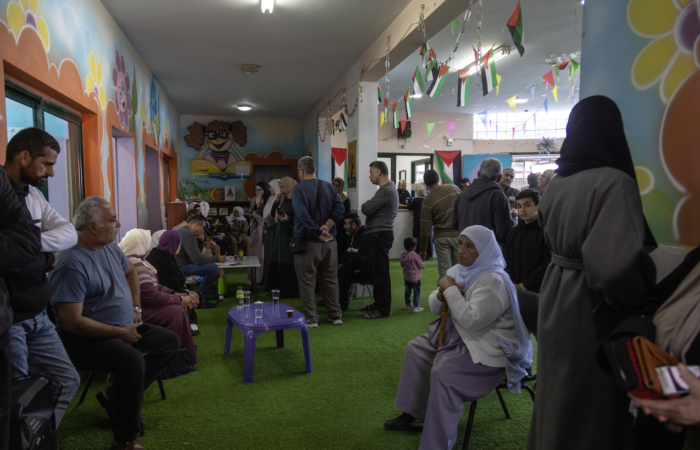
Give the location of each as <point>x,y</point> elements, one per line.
<point>155,222</point>
<point>125,193</point>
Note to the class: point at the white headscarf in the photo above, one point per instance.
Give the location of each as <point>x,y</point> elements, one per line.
<point>136,244</point>
<point>275,185</point>
<point>240,217</point>
<point>490,260</point>
<point>156,238</point>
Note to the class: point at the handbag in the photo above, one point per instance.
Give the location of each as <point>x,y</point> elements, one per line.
<point>297,245</point>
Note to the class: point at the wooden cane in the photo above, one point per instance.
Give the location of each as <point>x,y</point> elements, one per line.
<point>443,323</point>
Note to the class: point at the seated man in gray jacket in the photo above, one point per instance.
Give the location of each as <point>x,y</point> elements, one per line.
<point>192,262</point>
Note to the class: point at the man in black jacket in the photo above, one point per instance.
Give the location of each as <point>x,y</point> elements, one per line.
<point>526,253</point>
<point>353,265</point>
<point>21,239</point>
<point>484,203</point>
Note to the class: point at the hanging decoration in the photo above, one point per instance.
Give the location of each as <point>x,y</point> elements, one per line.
<point>554,92</point>
<point>498,86</point>
<point>430,128</point>
<point>452,124</point>
<point>403,124</point>
<point>483,116</point>
<point>439,79</point>
<point>343,122</point>
<point>546,146</point>
<point>408,103</point>
<point>511,102</point>
<point>532,93</point>
<point>548,78</point>
<point>358,98</point>
<point>488,74</point>
<point>386,109</point>
<point>379,95</point>
<point>545,106</point>
<point>418,86</point>
<point>453,25</point>
<point>515,25</point>
<point>396,115</point>
<point>381,120</point>
<point>325,129</point>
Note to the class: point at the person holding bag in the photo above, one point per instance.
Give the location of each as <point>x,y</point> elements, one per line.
<point>317,208</point>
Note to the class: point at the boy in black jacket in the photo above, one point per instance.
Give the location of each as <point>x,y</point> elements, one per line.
<point>525,251</point>
<point>353,265</point>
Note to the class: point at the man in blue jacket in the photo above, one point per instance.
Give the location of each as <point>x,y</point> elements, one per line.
<point>315,215</point>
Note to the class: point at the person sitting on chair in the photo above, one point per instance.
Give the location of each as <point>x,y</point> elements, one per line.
<point>353,265</point>
<point>467,353</point>
<point>97,299</point>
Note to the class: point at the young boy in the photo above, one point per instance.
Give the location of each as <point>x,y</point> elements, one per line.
<point>412,265</point>
<point>527,255</point>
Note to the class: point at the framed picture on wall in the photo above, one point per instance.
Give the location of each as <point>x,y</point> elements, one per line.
<point>230,192</point>
<point>223,211</point>
<point>402,174</point>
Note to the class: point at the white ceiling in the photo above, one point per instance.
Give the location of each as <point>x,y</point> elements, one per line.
<point>551,27</point>
<point>195,49</point>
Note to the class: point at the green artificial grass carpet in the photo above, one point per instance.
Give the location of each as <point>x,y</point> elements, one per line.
<point>343,404</point>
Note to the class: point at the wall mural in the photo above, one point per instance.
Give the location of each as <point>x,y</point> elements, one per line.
<point>218,156</point>
<point>656,44</point>
<point>87,58</point>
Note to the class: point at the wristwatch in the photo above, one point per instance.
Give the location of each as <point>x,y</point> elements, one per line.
<point>137,309</point>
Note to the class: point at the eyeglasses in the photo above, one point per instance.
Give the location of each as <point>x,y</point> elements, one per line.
<point>218,134</point>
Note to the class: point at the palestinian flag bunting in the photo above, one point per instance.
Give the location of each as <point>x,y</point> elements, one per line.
<point>427,55</point>
<point>488,73</point>
<point>448,166</point>
<point>386,109</point>
<point>408,103</point>
<point>515,25</point>
<point>343,122</point>
<point>396,115</point>
<point>439,76</point>
<point>379,95</point>
<point>418,87</point>
<point>463,88</point>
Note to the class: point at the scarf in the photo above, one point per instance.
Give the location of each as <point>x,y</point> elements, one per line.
<point>240,217</point>
<point>136,244</point>
<point>422,193</point>
<point>275,185</point>
<point>288,183</point>
<point>490,260</point>
<point>595,137</point>
<point>155,238</point>
<point>342,195</point>
<point>169,242</point>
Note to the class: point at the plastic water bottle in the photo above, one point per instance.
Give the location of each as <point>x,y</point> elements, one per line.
<point>239,297</point>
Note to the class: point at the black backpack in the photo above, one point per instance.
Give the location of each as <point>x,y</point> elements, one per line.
<point>32,421</point>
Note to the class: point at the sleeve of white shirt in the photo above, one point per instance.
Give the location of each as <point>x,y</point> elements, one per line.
<point>57,233</point>
<point>489,299</point>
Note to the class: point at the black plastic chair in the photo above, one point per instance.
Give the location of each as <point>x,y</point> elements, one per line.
<point>528,302</point>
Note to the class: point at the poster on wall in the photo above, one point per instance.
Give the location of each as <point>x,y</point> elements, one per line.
<point>218,156</point>
<point>216,194</point>
<point>230,193</point>
<point>352,164</point>
<point>223,211</point>
<point>213,212</point>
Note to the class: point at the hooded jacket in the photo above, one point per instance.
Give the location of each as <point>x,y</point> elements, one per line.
<point>527,255</point>
<point>483,203</point>
<point>28,287</point>
<point>20,242</point>
<point>356,259</point>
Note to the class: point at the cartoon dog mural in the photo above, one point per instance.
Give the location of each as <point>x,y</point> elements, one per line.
<point>218,155</point>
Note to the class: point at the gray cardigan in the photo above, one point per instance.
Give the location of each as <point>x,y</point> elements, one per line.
<point>191,250</point>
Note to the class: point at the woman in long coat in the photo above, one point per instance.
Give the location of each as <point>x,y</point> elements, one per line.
<point>259,209</point>
<point>270,226</point>
<point>593,222</point>
<point>282,274</point>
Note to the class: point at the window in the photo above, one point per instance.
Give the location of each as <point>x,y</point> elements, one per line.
<point>537,125</point>
<point>26,109</point>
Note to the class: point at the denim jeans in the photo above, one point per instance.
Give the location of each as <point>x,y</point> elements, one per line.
<point>210,273</point>
<point>415,287</point>
<point>36,349</point>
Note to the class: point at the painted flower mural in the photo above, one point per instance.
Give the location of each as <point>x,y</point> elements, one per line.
<point>669,58</point>
<point>25,13</point>
<point>122,89</point>
<point>93,81</point>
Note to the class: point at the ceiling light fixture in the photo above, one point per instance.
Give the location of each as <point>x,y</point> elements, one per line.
<point>267,5</point>
<point>499,53</point>
<point>250,68</point>
<point>245,107</point>
<point>416,95</point>
<point>521,100</point>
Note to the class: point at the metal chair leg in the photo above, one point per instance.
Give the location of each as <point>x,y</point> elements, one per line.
<point>530,391</point>
<point>87,386</point>
<point>162,389</point>
<point>362,300</point>
<point>503,403</point>
<point>470,422</point>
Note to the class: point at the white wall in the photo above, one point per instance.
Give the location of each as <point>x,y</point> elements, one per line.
<point>419,142</point>
<point>510,146</point>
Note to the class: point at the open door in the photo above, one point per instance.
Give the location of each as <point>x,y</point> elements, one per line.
<point>155,222</point>
<point>125,192</point>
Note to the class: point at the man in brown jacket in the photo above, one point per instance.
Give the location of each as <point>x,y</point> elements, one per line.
<point>437,211</point>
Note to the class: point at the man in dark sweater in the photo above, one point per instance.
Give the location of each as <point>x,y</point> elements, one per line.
<point>314,221</point>
<point>192,262</point>
<point>20,238</point>
<point>526,253</point>
<point>353,265</point>
<point>484,203</point>
<point>436,212</point>
<point>381,211</point>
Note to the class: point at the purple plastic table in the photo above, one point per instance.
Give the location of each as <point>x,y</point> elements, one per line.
<point>274,319</point>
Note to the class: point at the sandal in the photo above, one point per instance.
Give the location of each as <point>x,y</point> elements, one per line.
<point>370,307</point>
<point>374,315</point>
<point>132,445</point>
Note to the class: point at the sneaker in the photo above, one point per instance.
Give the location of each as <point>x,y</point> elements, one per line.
<point>334,320</point>
<point>403,423</point>
<point>196,332</point>
<point>311,325</point>
<point>409,306</point>
<point>417,309</point>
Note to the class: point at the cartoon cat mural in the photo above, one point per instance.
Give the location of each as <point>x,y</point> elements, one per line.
<point>218,155</point>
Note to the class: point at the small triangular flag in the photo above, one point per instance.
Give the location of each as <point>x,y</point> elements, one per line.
<point>534,117</point>
<point>554,92</point>
<point>403,124</point>
<point>453,25</point>
<point>545,107</point>
<point>498,79</point>
<point>482,116</point>
<point>430,128</point>
<point>524,126</point>
<point>511,102</point>
<point>532,93</point>
<point>452,125</point>
<point>381,122</point>
<point>549,78</point>
<point>513,133</point>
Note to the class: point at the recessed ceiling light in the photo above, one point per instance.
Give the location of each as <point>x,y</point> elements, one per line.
<point>521,100</point>
<point>417,95</point>
<point>267,5</point>
<point>245,107</point>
